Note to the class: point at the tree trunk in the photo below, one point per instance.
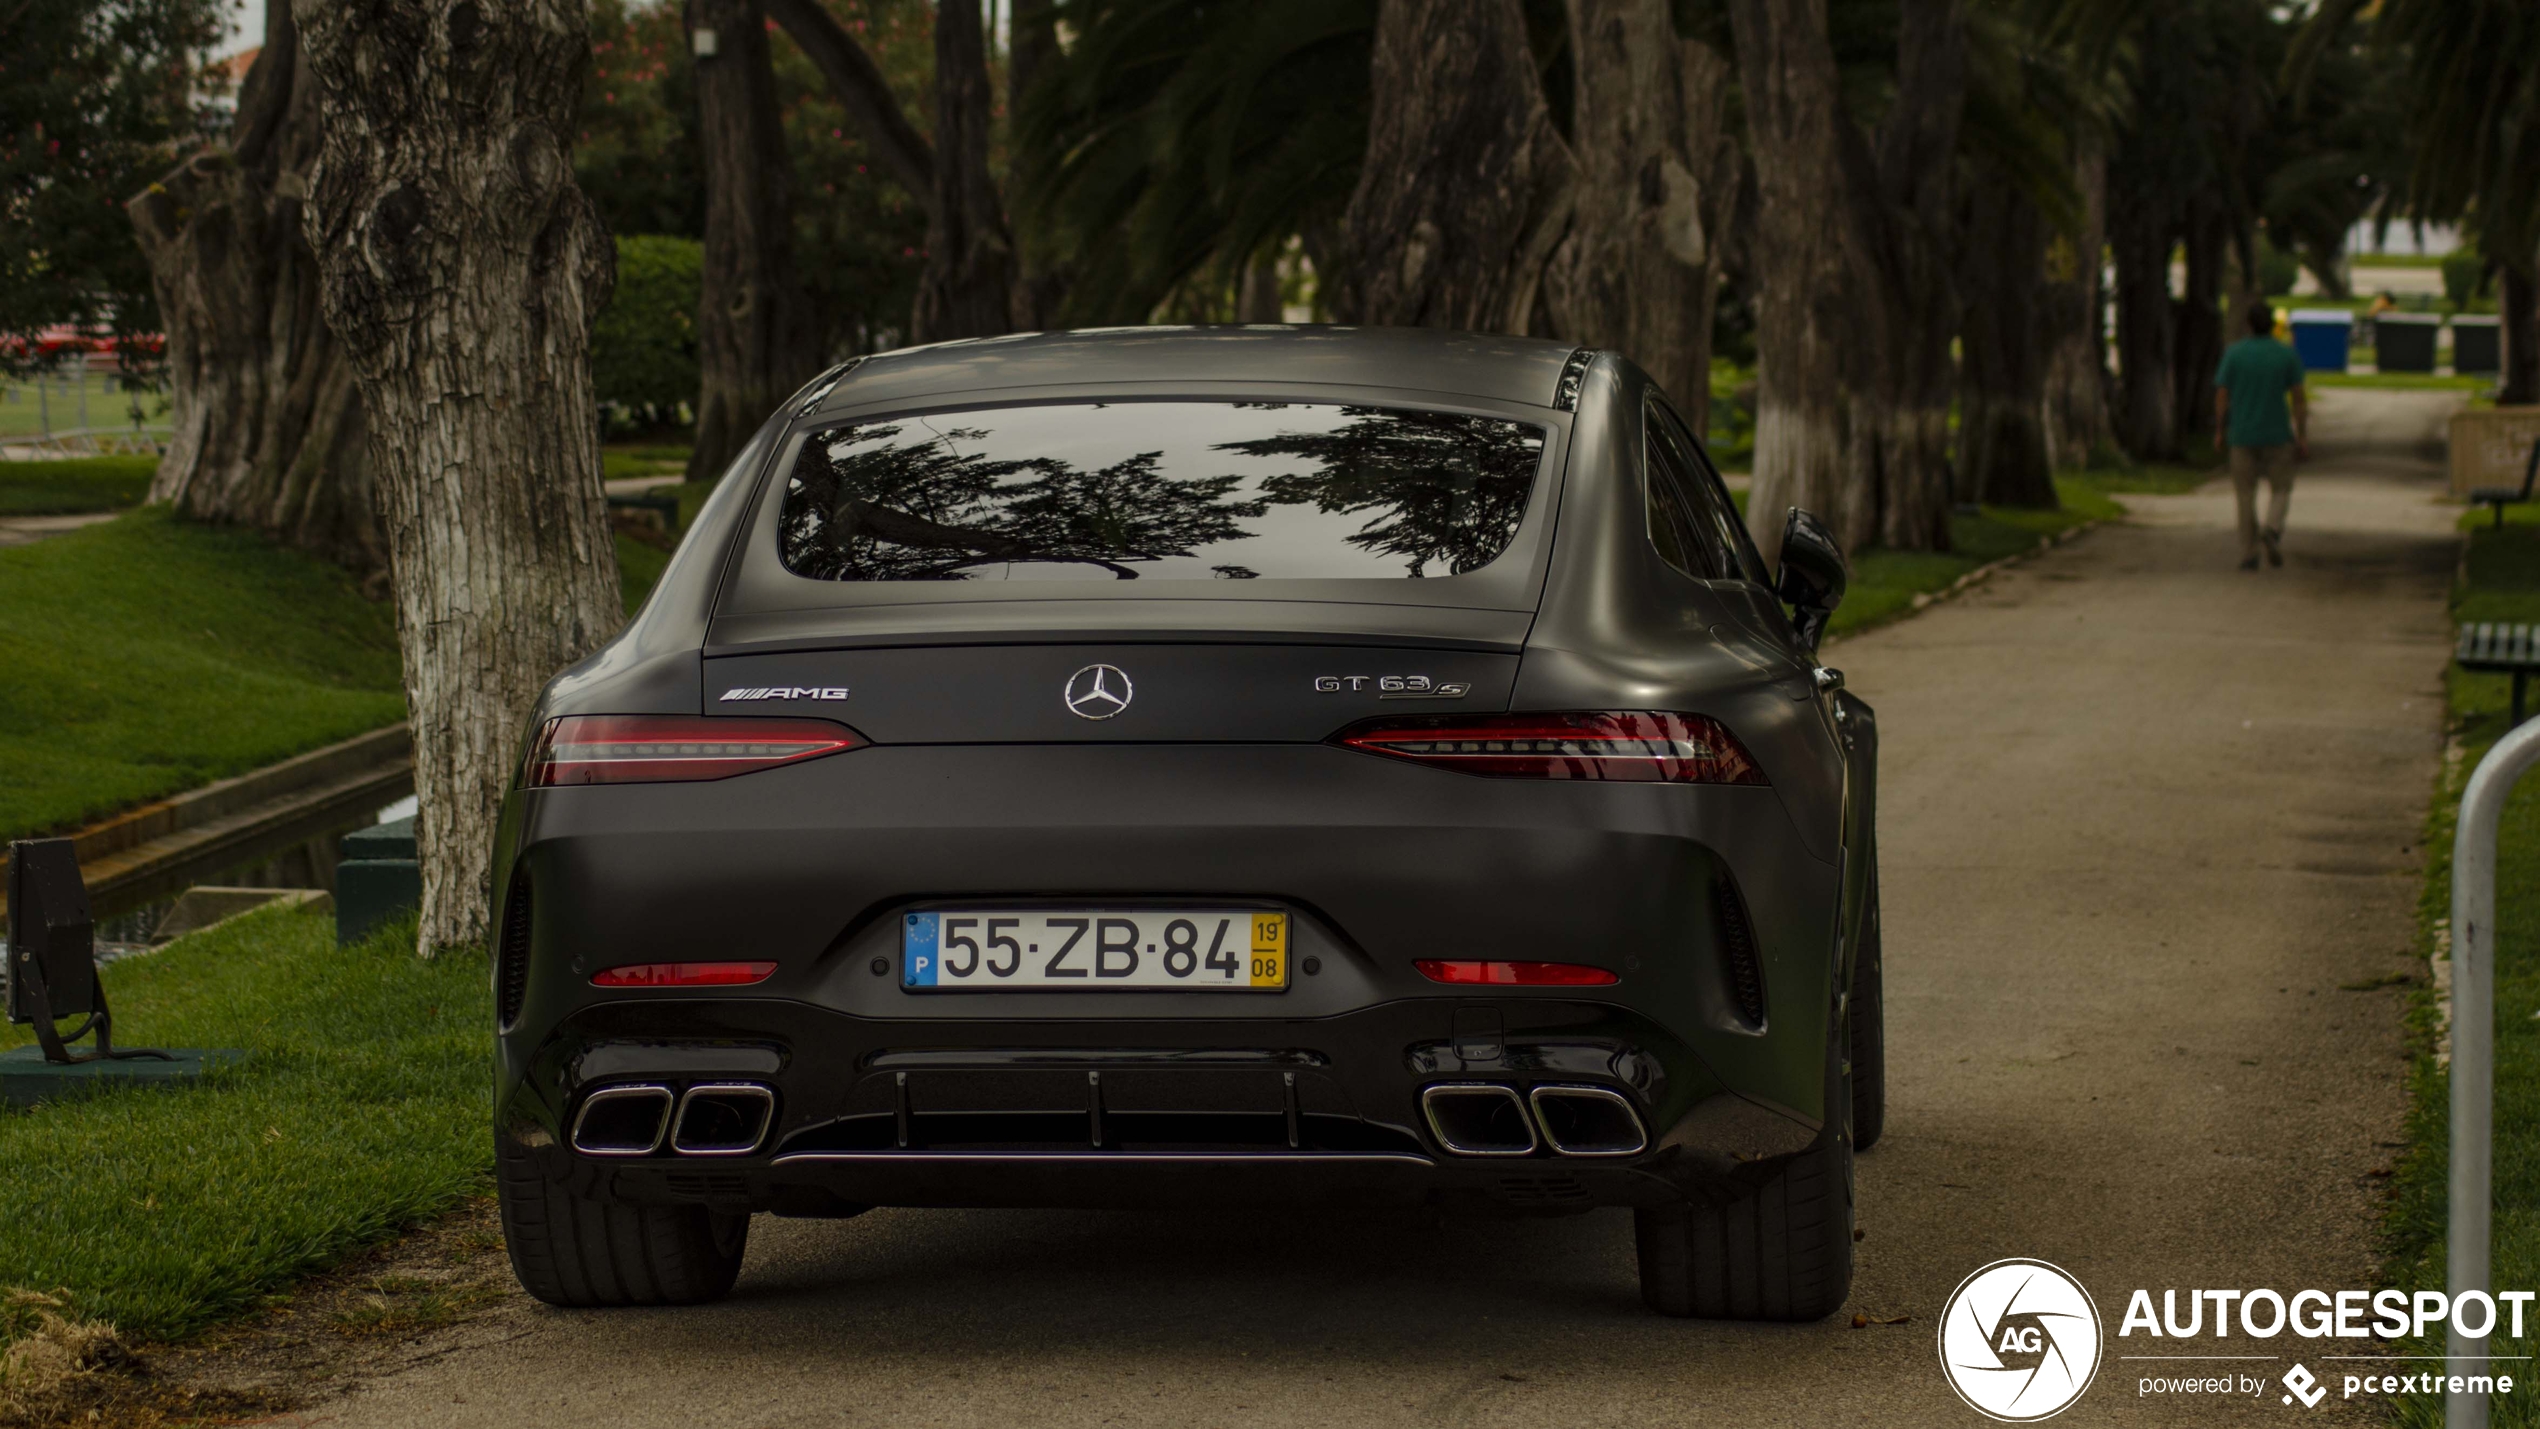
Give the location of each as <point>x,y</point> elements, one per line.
<point>2147,412</point>
<point>1467,188</point>
<point>1639,273</point>
<point>268,423</point>
<point>968,287</point>
<point>1804,314</point>
<point>2200,323</point>
<point>2001,425</point>
<point>1904,217</point>
<point>755,339</point>
<point>1257,292</point>
<point>2070,316</point>
<point>460,268</point>
<point>2520,303</point>
<point>1031,50</point>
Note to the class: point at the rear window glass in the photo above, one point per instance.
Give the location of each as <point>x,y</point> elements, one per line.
<point>1158,491</point>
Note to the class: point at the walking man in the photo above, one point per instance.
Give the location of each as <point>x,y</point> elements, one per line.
<point>2259,378</point>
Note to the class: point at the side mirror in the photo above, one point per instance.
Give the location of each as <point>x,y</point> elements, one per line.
<point>1813,573</point>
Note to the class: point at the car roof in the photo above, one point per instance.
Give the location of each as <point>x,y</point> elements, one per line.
<point>1508,369</point>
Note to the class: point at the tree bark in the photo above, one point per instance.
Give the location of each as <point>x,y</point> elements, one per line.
<point>2200,323</point>
<point>1904,216</point>
<point>2002,457</point>
<point>2147,410</point>
<point>1257,291</point>
<point>1467,188</point>
<point>968,287</point>
<point>1802,277</point>
<point>460,268</point>
<point>2519,303</point>
<point>755,339</point>
<point>1639,272</point>
<point>1031,49</point>
<point>267,430</point>
<point>2075,337</point>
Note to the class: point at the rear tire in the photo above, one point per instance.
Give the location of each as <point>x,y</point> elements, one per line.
<point>1781,1251</point>
<point>585,1254</point>
<point>1868,1035</point>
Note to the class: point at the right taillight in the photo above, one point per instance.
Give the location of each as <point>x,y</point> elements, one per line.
<point>661,749</point>
<point>1653,747</point>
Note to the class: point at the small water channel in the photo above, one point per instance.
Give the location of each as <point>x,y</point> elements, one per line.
<point>124,930</point>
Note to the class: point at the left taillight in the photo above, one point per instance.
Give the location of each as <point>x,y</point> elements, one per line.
<point>665,749</point>
<point>1630,745</point>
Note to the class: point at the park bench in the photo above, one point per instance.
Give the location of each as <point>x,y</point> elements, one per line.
<point>2497,498</point>
<point>2501,649</point>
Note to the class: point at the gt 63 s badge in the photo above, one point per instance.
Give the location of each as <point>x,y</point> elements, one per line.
<point>1396,687</point>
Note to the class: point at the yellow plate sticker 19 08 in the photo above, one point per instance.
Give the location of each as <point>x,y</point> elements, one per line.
<point>1269,950</point>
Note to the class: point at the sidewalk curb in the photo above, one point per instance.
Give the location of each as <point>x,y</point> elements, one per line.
<point>1925,600</point>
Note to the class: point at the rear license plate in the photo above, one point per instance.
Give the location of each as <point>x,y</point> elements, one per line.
<point>1095,950</point>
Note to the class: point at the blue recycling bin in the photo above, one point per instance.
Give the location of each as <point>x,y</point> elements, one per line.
<point>2321,337</point>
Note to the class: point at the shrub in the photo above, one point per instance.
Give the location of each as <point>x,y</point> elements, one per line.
<point>2464,273</point>
<point>2278,269</point>
<point>644,346</point>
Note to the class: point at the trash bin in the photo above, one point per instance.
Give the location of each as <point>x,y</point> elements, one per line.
<point>377,879</point>
<point>2476,345</point>
<point>2404,342</point>
<point>2321,336</point>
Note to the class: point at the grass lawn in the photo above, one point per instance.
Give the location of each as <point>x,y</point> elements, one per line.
<point>362,1109</point>
<point>2502,582</point>
<point>2404,381</point>
<point>57,488</point>
<point>146,656</point>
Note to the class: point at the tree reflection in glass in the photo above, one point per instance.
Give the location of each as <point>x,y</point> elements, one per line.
<point>1157,490</point>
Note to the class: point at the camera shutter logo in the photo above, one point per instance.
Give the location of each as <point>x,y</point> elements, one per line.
<point>2020,1341</point>
<point>1098,692</point>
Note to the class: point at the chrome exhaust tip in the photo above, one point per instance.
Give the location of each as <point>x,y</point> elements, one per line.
<point>722,1119</point>
<point>622,1121</point>
<point>1478,1119</point>
<point>1588,1121</point>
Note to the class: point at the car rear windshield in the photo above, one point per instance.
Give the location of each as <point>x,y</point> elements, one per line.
<point>1158,491</point>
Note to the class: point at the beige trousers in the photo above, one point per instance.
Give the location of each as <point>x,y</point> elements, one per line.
<point>2247,465</point>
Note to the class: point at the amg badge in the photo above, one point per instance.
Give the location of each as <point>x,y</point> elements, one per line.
<point>787,692</point>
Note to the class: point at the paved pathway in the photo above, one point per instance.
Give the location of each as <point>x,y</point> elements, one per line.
<point>2146,816</point>
<point>27,530</point>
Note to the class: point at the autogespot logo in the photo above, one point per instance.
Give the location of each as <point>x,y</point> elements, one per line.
<point>2019,1341</point>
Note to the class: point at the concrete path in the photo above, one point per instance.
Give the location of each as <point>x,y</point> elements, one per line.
<point>2146,816</point>
<point>27,530</point>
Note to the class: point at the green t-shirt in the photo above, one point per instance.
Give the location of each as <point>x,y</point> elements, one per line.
<point>2258,372</point>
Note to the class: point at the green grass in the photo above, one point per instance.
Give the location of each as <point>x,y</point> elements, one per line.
<point>361,1110</point>
<point>2501,582</point>
<point>2407,381</point>
<point>55,488</point>
<point>145,656</point>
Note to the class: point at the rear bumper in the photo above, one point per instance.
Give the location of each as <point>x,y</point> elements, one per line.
<point>941,1113</point>
<point>1379,863</point>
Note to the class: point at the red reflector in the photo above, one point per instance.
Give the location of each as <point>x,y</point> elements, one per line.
<point>684,975</point>
<point>662,749</point>
<point>1643,747</point>
<point>1516,974</point>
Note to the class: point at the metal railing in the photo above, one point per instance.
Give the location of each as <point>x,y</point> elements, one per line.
<point>2474,1053</point>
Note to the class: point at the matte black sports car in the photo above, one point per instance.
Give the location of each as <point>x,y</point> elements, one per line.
<point>1184,766</point>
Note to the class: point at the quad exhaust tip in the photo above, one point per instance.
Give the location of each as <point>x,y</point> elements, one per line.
<point>1588,1121</point>
<point>722,1119</point>
<point>1489,1119</point>
<point>711,1119</point>
<point>1478,1119</point>
<point>622,1121</point>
